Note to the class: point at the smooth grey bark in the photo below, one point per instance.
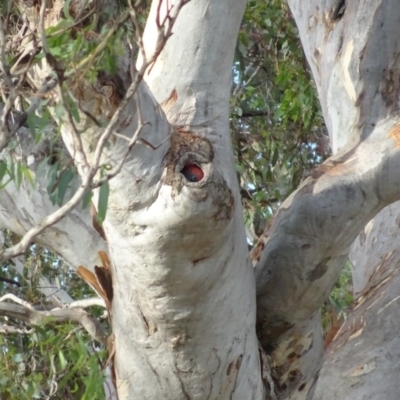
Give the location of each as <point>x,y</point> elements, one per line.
<point>352,49</point>
<point>183,311</point>
<point>188,255</point>
<point>363,360</point>
<point>183,308</point>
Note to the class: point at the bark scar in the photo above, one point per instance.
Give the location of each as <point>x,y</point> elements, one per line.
<point>187,148</point>
<point>395,135</point>
<point>338,10</point>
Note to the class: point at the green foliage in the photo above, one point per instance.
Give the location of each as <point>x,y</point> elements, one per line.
<point>277,127</point>
<point>340,300</point>
<point>55,362</point>
<point>87,199</point>
<point>57,359</point>
<point>103,202</point>
<point>58,182</point>
<point>342,293</point>
<point>71,47</point>
<point>15,171</point>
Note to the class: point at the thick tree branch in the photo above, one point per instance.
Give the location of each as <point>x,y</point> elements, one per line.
<point>33,317</point>
<point>302,253</point>
<point>88,172</point>
<point>358,364</point>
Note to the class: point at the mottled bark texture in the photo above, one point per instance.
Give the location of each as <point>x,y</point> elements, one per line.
<point>184,294</point>
<point>353,50</point>
<point>363,361</point>
<point>183,303</point>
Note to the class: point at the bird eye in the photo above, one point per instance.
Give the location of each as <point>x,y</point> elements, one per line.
<point>192,172</point>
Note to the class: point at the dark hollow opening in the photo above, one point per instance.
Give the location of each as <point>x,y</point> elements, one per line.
<point>192,172</point>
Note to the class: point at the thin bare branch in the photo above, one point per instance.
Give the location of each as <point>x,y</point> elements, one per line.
<point>85,303</point>
<point>16,299</point>
<point>132,141</point>
<point>53,383</point>
<point>42,31</point>
<point>33,317</point>
<point>76,23</point>
<point>10,281</point>
<point>240,87</point>
<point>3,58</point>
<point>4,68</point>
<point>5,329</point>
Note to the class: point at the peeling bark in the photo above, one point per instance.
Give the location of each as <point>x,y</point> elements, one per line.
<point>362,362</point>
<point>184,294</point>
<point>352,49</point>
<point>177,245</point>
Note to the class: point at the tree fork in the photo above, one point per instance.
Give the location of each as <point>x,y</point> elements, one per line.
<point>354,69</point>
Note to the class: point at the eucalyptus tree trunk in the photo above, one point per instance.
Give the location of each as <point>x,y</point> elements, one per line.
<point>183,291</point>
<point>188,310</point>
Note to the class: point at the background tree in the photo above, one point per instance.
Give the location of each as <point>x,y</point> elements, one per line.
<point>165,244</point>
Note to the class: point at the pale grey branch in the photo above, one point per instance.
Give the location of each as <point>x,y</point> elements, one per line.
<point>34,317</point>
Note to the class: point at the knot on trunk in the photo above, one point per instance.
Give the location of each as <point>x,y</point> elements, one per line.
<point>188,164</point>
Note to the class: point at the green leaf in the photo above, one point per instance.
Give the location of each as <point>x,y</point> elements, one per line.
<point>59,111</point>
<point>63,361</point>
<point>87,198</point>
<point>66,11</point>
<point>103,202</point>
<point>27,173</point>
<point>66,177</point>
<point>11,169</point>
<point>18,177</point>
<point>77,44</point>
<point>32,123</point>
<point>275,157</point>
<point>72,107</point>
<point>51,179</point>
<point>3,169</point>
<point>71,372</point>
<point>3,185</point>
